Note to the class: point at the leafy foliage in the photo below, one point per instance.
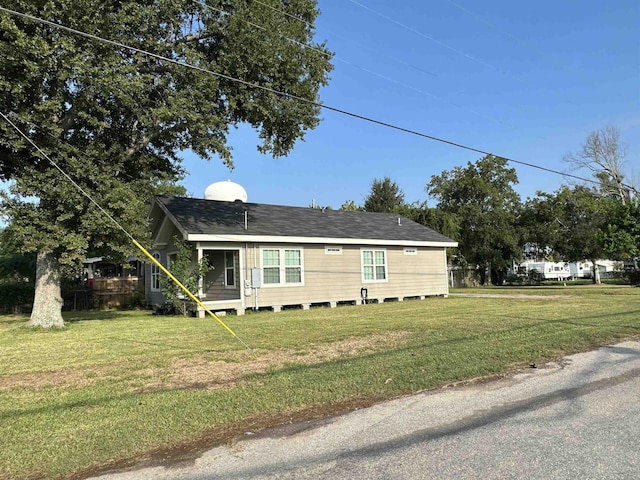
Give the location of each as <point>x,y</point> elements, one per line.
<point>486,207</point>
<point>570,221</point>
<point>620,236</point>
<point>185,267</point>
<point>446,223</point>
<point>350,206</point>
<point>116,120</point>
<point>15,266</point>
<point>14,295</point>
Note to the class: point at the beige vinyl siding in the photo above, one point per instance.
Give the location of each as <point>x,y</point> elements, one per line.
<point>335,278</point>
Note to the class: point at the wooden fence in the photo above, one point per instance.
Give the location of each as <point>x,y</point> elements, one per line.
<point>112,292</point>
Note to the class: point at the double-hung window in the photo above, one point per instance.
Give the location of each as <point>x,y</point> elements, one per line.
<point>229,269</point>
<point>374,265</point>
<point>155,273</point>
<point>282,266</point>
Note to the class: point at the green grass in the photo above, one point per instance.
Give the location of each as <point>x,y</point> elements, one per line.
<point>101,389</point>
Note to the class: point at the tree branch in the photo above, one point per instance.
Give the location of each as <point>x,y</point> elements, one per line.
<point>142,143</point>
<point>69,117</point>
<point>193,38</point>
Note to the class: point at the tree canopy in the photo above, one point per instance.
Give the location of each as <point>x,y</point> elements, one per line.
<point>116,120</point>
<point>603,155</point>
<point>482,197</point>
<point>385,196</point>
<point>570,220</point>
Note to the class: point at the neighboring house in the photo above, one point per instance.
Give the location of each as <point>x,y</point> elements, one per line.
<point>275,256</point>
<point>548,270</point>
<point>100,267</point>
<point>110,284</point>
<point>570,270</point>
<point>581,269</point>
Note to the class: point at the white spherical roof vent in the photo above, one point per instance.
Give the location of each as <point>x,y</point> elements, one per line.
<point>225,192</point>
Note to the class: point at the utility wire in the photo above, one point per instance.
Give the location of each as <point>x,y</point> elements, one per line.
<point>364,69</point>
<point>359,45</point>
<point>440,43</point>
<point>293,97</point>
<point>71,180</point>
<point>511,36</point>
<point>407,64</point>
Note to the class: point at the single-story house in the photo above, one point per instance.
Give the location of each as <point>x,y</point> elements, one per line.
<point>275,256</point>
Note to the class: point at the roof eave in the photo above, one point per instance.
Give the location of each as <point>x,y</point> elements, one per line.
<point>197,237</point>
<point>173,219</point>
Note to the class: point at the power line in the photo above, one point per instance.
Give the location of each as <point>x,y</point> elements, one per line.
<point>71,180</point>
<point>410,65</point>
<point>309,24</point>
<point>359,45</point>
<point>364,69</point>
<point>439,42</point>
<point>453,49</point>
<point>511,36</point>
<point>291,96</point>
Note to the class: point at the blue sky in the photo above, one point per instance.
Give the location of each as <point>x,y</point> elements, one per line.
<point>527,81</point>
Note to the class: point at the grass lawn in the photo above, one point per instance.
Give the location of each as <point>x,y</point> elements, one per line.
<point>115,386</point>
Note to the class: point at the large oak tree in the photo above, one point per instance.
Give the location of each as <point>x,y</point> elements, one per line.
<point>115,119</point>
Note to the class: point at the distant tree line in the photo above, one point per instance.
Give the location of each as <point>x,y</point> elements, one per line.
<point>477,206</point>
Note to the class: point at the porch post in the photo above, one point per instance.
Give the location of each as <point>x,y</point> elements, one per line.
<point>200,281</point>
<point>241,274</point>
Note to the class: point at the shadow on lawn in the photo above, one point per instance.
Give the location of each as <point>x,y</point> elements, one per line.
<point>90,315</point>
<point>414,349</point>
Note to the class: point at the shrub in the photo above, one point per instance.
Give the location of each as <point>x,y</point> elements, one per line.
<point>16,297</point>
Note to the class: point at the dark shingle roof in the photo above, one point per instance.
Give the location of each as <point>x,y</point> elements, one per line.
<point>210,217</point>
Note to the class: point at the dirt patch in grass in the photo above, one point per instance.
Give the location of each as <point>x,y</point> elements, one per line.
<point>205,371</point>
<point>69,377</point>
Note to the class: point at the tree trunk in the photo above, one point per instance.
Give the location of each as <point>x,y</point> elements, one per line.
<point>482,271</point>
<point>596,273</point>
<point>497,276</point>
<point>47,304</point>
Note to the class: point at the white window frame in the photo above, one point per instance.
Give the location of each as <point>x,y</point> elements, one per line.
<point>232,268</point>
<point>333,250</point>
<point>283,268</point>
<point>410,251</point>
<point>385,265</point>
<point>155,273</point>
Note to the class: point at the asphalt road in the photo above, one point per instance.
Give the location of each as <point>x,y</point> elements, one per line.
<point>576,419</point>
